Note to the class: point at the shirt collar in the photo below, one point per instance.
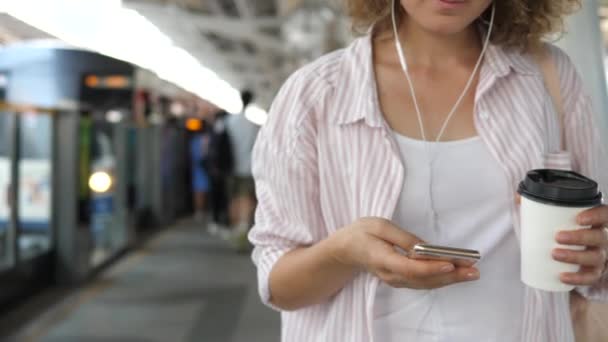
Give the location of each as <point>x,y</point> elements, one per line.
<point>503,62</point>
<point>358,76</point>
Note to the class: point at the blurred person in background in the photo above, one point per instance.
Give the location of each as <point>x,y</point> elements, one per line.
<point>242,134</point>
<point>199,153</point>
<point>220,167</point>
<point>353,165</point>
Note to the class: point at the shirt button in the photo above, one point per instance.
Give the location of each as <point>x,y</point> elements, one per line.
<point>484,115</point>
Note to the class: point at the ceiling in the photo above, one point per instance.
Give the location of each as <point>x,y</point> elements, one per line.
<point>250,44</point>
<point>14,30</point>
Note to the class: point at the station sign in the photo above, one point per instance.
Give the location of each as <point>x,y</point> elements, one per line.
<point>108,81</point>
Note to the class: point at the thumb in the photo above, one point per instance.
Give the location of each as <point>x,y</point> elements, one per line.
<point>396,236</point>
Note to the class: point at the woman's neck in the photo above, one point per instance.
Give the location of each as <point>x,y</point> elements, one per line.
<point>430,49</point>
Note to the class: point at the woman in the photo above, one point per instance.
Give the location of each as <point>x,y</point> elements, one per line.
<point>353,163</point>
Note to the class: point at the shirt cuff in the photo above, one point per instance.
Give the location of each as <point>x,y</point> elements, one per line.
<point>265,258</point>
<point>598,291</point>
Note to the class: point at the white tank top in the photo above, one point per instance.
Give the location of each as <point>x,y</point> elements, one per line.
<point>471,210</point>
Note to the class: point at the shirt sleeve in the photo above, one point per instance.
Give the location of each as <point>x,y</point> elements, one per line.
<point>284,165</point>
<point>583,140</point>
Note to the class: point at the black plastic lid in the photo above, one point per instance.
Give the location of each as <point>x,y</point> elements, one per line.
<point>561,188</point>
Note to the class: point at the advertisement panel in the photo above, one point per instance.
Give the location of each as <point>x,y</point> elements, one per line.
<point>34,194</point>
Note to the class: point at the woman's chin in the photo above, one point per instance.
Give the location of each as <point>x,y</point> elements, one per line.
<point>446,27</point>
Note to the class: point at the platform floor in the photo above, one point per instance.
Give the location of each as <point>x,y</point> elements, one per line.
<point>183,285</point>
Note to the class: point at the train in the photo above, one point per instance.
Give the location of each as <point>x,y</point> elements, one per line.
<point>93,159</point>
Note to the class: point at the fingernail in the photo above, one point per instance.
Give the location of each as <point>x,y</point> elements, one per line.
<point>567,278</point>
<point>560,254</point>
<point>447,268</point>
<point>564,237</point>
<point>473,275</point>
<point>584,220</point>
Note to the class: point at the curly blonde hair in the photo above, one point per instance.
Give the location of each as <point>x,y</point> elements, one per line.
<point>519,24</point>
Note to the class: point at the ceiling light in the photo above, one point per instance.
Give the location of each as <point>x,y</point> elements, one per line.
<point>107,27</point>
<point>256,115</point>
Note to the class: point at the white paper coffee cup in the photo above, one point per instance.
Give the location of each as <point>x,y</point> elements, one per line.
<point>551,202</point>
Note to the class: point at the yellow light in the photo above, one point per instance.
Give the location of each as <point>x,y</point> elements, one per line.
<point>100,182</point>
<point>91,81</point>
<point>116,82</point>
<point>194,125</point>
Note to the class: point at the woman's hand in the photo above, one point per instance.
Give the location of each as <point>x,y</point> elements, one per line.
<point>593,258</point>
<point>370,243</point>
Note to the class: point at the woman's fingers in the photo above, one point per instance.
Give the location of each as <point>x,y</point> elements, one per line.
<point>416,269</point>
<point>388,232</point>
<point>593,257</point>
<point>584,237</point>
<point>400,271</point>
<point>397,270</point>
<point>458,275</point>
<point>586,276</point>
<point>594,217</point>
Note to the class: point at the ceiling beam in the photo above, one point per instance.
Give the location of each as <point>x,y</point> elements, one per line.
<point>286,6</point>
<point>259,71</point>
<point>229,28</point>
<point>237,32</point>
<point>253,23</point>
<point>244,8</point>
<point>215,6</point>
<point>239,29</point>
<point>217,18</point>
<point>265,76</point>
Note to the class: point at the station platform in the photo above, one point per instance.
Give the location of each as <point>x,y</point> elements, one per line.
<point>182,285</point>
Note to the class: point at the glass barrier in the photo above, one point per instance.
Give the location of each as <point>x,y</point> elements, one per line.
<point>99,163</point>
<point>6,148</point>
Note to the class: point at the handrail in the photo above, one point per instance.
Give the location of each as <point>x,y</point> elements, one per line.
<point>26,108</point>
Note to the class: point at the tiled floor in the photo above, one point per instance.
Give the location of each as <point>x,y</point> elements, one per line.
<point>183,286</point>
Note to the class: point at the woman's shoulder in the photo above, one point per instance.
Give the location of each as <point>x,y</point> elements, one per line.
<point>311,93</point>
<point>303,99</point>
<point>329,71</point>
<point>569,77</point>
<point>322,73</point>
<point>571,83</point>
<point>305,91</point>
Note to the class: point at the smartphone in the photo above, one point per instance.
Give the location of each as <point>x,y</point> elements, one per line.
<point>457,256</point>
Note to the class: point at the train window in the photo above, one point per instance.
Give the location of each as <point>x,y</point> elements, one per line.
<point>35,184</point>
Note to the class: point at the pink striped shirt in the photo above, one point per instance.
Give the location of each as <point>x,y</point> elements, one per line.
<point>326,157</point>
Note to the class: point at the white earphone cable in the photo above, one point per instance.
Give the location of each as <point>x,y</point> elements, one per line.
<point>403,62</point>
